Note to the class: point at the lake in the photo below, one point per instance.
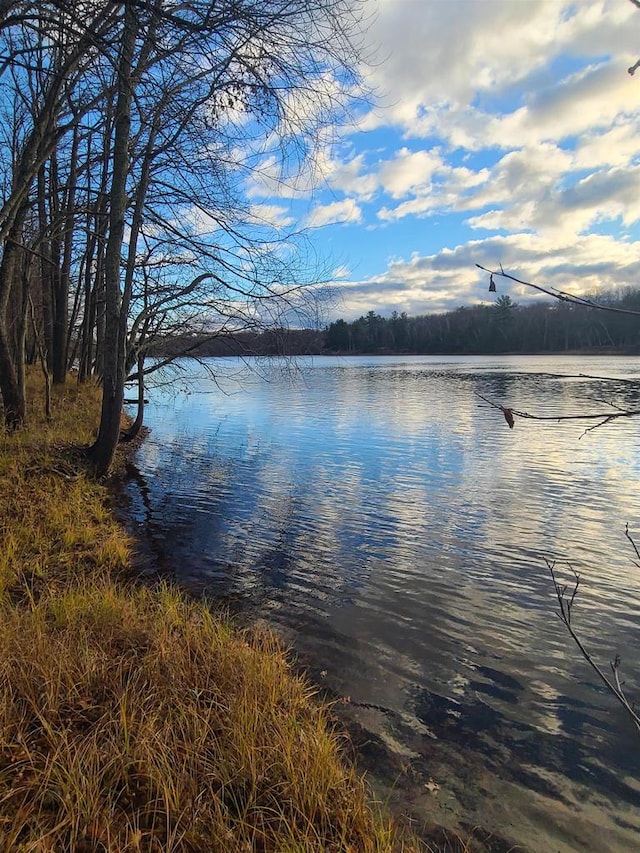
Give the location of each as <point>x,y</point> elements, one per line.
<point>392,527</point>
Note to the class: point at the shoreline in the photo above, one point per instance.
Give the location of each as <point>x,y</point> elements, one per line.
<point>605,352</point>
<point>389,776</point>
<point>166,726</point>
<point>215,501</point>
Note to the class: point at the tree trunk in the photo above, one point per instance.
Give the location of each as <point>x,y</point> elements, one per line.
<point>61,330</point>
<point>22,304</point>
<point>45,268</point>
<point>136,426</point>
<point>58,296</point>
<point>113,377</point>
<point>11,388</point>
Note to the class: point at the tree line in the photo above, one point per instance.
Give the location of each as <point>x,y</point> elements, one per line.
<point>503,326</point>
<point>128,134</point>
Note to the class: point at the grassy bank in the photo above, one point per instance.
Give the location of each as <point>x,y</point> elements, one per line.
<point>132,719</point>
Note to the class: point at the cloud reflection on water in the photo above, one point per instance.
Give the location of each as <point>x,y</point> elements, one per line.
<point>381,500</point>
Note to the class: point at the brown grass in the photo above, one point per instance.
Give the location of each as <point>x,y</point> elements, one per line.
<point>55,520</point>
<point>132,719</point>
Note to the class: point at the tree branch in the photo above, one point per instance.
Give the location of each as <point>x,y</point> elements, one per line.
<point>603,417</point>
<point>633,544</point>
<point>560,295</point>
<point>566,601</point>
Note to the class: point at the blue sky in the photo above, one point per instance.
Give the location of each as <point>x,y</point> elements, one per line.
<point>502,131</point>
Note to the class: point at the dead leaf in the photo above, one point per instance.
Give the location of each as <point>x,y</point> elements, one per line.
<point>508,416</point>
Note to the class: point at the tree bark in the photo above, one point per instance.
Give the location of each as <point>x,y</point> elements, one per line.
<point>61,296</point>
<point>45,268</point>
<point>10,387</point>
<point>136,426</point>
<point>113,378</point>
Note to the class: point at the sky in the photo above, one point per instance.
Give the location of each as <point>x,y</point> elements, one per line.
<point>499,132</point>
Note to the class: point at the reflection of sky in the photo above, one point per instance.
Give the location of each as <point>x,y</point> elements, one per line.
<point>383,496</point>
<point>391,453</point>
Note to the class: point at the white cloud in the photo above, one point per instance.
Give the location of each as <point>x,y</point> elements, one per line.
<point>408,171</point>
<point>593,99</point>
<point>602,196</point>
<point>347,176</point>
<point>421,205</point>
<point>517,114</point>
<point>615,146</point>
<point>570,210</point>
<point>341,272</point>
<point>533,188</point>
<point>438,53</point>
<point>449,278</point>
<point>343,211</point>
<point>439,56</point>
<point>271,215</point>
<point>451,190</point>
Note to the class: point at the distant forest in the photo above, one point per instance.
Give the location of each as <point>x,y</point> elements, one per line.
<point>503,327</point>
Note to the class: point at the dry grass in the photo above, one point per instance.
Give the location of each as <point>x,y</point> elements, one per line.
<point>55,521</point>
<point>133,719</point>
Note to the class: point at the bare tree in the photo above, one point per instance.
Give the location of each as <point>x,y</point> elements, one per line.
<point>57,42</point>
<point>194,83</point>
<point>125,155</point>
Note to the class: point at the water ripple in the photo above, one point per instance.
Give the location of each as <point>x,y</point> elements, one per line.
<point>394,524</point>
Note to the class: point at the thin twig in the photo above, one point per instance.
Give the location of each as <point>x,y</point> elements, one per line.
<point>564,613</point>
<point>629,381</point>
<point>633,544</point>
<point>561,295</point>
<point>602,416</point>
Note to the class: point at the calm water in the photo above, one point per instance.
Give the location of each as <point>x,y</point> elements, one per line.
<point>394,527</point>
